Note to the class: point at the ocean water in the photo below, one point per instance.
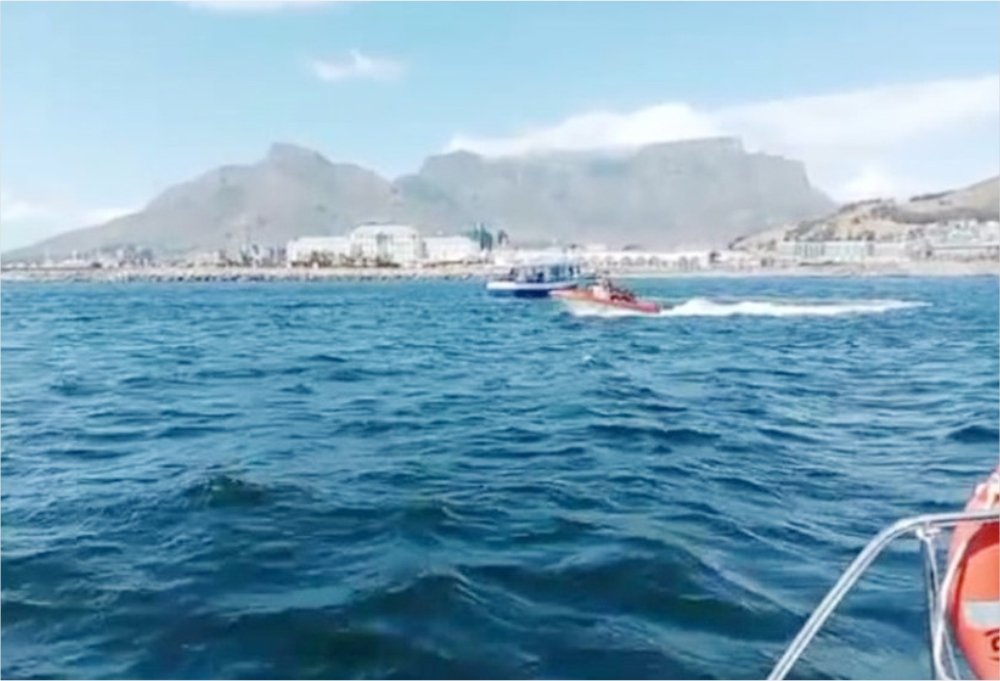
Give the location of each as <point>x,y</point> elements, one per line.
<point>413,480</point>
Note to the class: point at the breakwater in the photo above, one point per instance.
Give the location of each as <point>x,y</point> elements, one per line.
<point>208,273</point>
<point>238,274</point>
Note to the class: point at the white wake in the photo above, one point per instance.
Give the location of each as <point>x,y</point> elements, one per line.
<point>703,307</point>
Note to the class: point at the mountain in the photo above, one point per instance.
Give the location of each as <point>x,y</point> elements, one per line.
<point>885,219</point>
<point>693,193</point>
<point>292,191</point>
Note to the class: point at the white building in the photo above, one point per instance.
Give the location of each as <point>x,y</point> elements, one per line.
<point>849,251</point>
<point>740,260</point>
<point>639,260</point>
<point>369,244</point>
<point>207,258</point>
<point>399,244</point>
<point>330,248</point>
<point>450,249</point>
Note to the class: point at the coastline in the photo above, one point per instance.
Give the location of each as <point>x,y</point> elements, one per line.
<point>166,274</point>
<point>944,269</point>
<point>204,274</point>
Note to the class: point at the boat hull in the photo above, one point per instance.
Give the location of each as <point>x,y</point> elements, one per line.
<point>586,299</point>
<point>519,289</point>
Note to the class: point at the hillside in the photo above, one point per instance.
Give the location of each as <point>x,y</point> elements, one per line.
<point>697,193</point>
<point>887,220</point>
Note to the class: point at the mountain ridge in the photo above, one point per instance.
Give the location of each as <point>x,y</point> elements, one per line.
<point>695,192</point>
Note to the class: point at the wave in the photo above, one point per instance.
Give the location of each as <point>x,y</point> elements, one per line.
<point>223,490</point>
<point>974,435</point>
<point>703,307</point>
<point>467,502</point>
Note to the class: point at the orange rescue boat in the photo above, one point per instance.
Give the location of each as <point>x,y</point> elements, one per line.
<point>604,294</point>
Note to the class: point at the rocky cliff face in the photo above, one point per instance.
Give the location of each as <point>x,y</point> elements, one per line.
<point>696,193</point>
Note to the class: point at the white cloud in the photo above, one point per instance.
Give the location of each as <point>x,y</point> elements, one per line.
<point>255,6</point>
<point>18,210</point>
<point>97,216</point>
<point>853,143</point>
<point>871,182</point>
<point>25,221</point>
<point>867,119</point>
<point>357,66</point>
<point>661,123</point>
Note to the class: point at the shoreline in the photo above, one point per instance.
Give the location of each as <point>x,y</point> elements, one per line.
<point>942,269</point>
<point>209,274</point>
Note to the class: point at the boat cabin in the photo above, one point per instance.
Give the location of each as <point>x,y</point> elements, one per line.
<point>541,273</point>
<point>535,276</point>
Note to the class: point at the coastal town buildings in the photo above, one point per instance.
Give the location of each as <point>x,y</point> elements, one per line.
<point>400,245</point>
<point>955,240</point>
<point>618,260</point>
<point>598,258</point>
<point>450,249</point>
<point>395,244</point>
<point>329,249</point>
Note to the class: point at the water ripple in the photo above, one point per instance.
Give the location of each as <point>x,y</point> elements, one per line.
<point>412,480</point>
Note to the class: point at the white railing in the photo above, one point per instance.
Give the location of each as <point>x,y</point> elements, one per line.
<point>926,528</point>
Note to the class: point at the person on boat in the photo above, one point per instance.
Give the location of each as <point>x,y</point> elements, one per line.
<point>609,291</point>
<point>605,290</point>
<point>602,289</point>
<point>622,294</point>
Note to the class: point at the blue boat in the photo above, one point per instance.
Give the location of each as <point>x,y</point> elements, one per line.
<point>536,277</point>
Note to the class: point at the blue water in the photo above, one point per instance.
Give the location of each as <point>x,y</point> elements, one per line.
<point>413,480</point>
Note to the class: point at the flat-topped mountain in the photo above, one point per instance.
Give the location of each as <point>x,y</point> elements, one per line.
<point>692,193</point>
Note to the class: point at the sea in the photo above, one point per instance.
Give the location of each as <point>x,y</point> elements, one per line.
<point>416,480</point>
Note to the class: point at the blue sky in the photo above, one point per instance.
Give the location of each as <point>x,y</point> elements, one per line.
<point>106,104</point>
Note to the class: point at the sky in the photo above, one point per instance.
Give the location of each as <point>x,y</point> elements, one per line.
<point>103,105</point>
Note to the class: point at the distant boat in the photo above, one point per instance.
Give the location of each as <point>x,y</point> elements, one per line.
<point>536,276</point>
